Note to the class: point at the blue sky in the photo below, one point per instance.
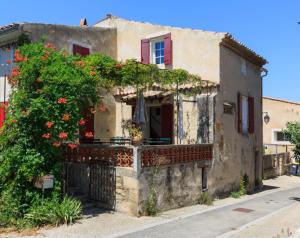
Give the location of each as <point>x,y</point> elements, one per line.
<point>267,26</point>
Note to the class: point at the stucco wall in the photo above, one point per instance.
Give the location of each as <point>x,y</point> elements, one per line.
<point>99,40</point>
<point>194,50</point>
<point>280,112</point>
<point>234,153</point>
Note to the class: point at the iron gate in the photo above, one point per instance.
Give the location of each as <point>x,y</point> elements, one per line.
<point>93,181</point>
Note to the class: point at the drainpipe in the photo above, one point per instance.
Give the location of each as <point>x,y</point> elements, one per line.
<point>264,73</point>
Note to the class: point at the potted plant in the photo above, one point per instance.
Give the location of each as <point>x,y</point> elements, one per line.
<point>135,132</point>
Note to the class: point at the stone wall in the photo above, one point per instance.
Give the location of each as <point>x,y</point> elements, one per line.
<point>175,185</point>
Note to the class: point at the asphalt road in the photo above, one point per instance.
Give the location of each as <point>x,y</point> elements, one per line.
<point>220,222</point>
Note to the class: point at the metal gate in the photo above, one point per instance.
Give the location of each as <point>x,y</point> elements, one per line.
<point>91,182</point>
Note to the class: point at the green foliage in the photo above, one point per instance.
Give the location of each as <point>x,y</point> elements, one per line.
<point>205,199</point>
<point>244,182</point>
<point>151,202</point>
<point>293,134</point>
<point>49,93</point>
<point>55,213</point>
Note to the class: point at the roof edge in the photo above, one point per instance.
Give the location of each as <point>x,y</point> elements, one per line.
<point>281,100</point>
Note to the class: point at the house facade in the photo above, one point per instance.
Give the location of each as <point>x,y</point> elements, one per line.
<point>280,112</point>
<point>236,105</point>
<point>225,114</point>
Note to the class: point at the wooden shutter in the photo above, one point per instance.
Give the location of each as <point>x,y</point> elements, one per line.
<point>2,112</point>
<point>168,49</point>
<point>145,51</point>
<point>251,115</point>
<point>83,51</point>
<point>167,123</point>
<point>239,113</point>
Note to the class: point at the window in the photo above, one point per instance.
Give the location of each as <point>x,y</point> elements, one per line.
<point>159,52</point>
<point>280,137</point>
<point>245,121</point>
<point>245,114</point>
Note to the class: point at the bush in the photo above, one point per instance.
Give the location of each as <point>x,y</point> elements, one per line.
<point>151,202</point>
<point>244,181</point>
<point>55,213</point>
<point>205,199</point>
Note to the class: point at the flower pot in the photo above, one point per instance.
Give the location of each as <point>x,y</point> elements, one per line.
<point>137,140</point>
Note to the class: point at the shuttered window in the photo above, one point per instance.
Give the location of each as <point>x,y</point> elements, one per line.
<point>157,50</point>
<point>251,114</point>
<point>245,114</point>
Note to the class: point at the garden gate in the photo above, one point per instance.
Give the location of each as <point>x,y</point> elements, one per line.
<point>90,173</point>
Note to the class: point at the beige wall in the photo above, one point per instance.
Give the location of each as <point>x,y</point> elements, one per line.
<point>281,112</point>
<point>202,53</point>
<point>193,50</point>
<point>234,153</point>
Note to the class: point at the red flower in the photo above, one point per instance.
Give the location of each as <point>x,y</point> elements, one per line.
<point>46,136</point>
<point>66,117</point>
<point>72,146</point>
<point>8,61</point>
<point>89,134</point>
<point>119,66</point>
<point>102,107</point>
<point>63,135</point>
<point>45,57</point>
<point>56,144</point>
<point>62,101</point>
<point>18,57</point>
<point>82,122</point>
<point>14,121</point>
<point>15,72</point>
<point>50,46</point>
<point>93,73</point>
<point>80,63</point>
<point>49,124</point>
<point>92,110</point>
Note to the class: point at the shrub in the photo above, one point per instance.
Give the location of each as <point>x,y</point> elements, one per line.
<point>205,199</point>
<point>54,212</point>
<point>151,202</point>
<point>244,181</point>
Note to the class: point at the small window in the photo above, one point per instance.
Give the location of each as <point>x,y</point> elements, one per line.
<point>245,111</point>
<point>159,52</point>
<point>280,136</point>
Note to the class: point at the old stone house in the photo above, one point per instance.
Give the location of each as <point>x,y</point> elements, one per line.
<point>224,120</point>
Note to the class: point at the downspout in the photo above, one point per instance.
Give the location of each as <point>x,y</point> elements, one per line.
<point>264,73</point>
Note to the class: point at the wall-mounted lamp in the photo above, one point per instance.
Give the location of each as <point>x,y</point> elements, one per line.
<point>266,117</point>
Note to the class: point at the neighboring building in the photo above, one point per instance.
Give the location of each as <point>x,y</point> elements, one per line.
<point>227,112</point>
<point>280,112</point>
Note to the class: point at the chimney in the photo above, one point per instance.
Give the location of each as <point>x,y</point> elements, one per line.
<point>108,15</point>
<point>83,22</point>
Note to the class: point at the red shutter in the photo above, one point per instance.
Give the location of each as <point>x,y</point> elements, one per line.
<point>83,51</point>
<point>239,113</point>
<point>145,51</point>
<point>168,49</point>
<point>167,121</point>
<point>251,115</point>
<point>2,112</point>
